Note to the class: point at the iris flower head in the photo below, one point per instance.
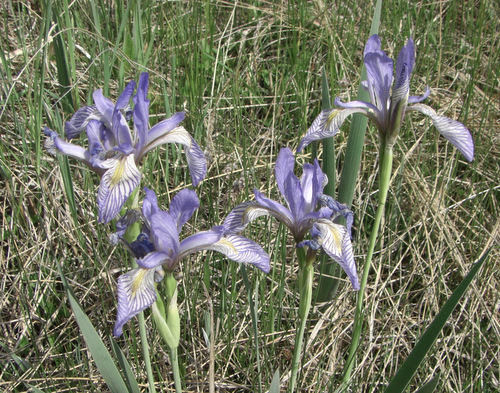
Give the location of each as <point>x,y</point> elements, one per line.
<point>308,210</point>
<point>158,248</point>
<point>115,149</point>
<point>389,102</point>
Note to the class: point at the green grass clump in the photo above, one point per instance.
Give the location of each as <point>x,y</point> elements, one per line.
<point>249,77</point>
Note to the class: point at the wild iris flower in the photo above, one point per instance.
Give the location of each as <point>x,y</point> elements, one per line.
<point>387,110</point>
<point>304,212</point>
<point>115,150</point>
<point>158,248</point>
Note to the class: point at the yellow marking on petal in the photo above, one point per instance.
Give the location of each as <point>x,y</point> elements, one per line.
<point>336,236</point>
<point>118,173</point>
<point>136,285</point>
<point>226,242</point>
<point>332,115</point>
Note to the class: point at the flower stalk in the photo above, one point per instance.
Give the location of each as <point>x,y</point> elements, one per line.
<point>306,274</point>
<point>385,170</point>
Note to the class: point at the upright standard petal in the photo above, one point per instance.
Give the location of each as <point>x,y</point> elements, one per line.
<point>312,184</point>
<point>242,250</point>
<point>379,68</point>
<point>283,167</point>
<point>182,206</point>
<point>117,183</point>
<point>150,204</point>
<point>336,242</point>
<point>141,111</point>
<point>105,107</point>
<point>136,292</point>
<point>165,235</point>
<point>454,131</point>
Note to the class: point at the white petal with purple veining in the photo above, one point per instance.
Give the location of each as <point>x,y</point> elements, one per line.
<point>117,183</point>
<point>336,242</point>
<point>136,292</point>
<point>454,131</point>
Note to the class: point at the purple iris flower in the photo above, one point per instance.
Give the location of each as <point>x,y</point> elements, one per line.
<point>387,110</point>
<point>115,150</point>
<point>308,211</point>
<point>158,248</point>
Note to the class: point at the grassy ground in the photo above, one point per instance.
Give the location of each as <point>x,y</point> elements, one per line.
<point>249,76</point>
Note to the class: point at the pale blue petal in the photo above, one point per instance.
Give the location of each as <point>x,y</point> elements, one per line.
<point>417,99</point>
<point>284,167</point>
<point>454,131</point>
<point>275,209</point>
<point>153,260</point>
<point>379,69</point>
<point>198,242</point>
<point>182,206</point>
<point>150,204</point>
<point>79,121</point>
<point>105,107</point>
<point>163,127</point>
<point>165,236</point>
<point>55,144</point>
<point>312,183</point>
<point>141,111</point>
<point>136,292</point>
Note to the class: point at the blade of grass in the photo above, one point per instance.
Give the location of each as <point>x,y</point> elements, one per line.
<point>275,383</point>
<point>253,313</point>
<point>356,139</point>
<point>430,386</point>
<point>417,355</point>
<point>125,366</point>
<point>328,283</point>
<point>101,355</point>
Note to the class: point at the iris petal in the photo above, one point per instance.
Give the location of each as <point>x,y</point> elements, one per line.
<point>243,250</point>
<point>80,120</point>
<point>284,167</point>
<point>336,242</point>
<point>105,107</point>
<point>141,111</point>
<point>379,68</point>
<point>183,205</point>
<point>117,183</point>
<point>196,160</point>
<point>326,125</point>
<point>136,292</point>
<point>454,131</point>
<point>54,144</point>
<point>243,214</point>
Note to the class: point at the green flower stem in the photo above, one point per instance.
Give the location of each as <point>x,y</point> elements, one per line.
<point>306,273</point>
<point>385,171</point>
<point>130,235</point>
<point>168,324</point>
<point>174,359</point>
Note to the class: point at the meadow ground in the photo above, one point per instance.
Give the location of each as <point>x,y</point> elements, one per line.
<point>248,75</point>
